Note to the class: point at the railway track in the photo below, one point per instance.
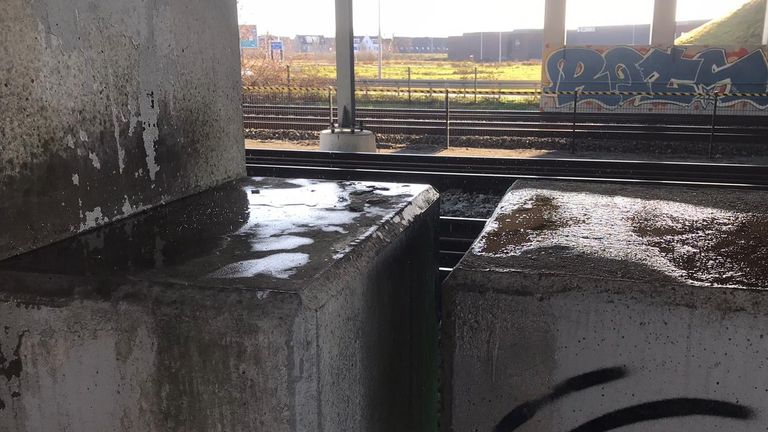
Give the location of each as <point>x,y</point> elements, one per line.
<point>456,238</point>
<point>477,173</point>
<point>495,123</point>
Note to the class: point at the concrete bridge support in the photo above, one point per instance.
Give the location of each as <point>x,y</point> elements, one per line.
<point>111,107</point>
<point>605,306</point>
<point>345,138</point>
<point>664,22</point>
<point>765,25</point>
<point>554,25</point>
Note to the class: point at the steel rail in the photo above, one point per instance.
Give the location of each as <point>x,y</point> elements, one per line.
<point>533,116</point>
<point>495,173</point>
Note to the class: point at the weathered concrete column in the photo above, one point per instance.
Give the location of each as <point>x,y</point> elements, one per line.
<point>554,25</point>
<point>664,24</point>
<point>137,112</point>
<point>345,63</point>
<point>765,25</point>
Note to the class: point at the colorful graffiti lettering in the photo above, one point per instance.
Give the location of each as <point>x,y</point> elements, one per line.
<point>654,70</point>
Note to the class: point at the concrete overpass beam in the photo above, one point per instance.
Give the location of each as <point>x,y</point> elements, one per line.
<point>664,24</point>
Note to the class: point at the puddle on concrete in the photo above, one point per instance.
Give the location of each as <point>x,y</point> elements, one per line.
<point>281,243</point>
<point>280,266</point>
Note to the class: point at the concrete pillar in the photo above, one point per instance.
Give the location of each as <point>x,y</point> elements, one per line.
<point>664,24</point>
<point>117,146</point>
<point>345,138</point>
<point>554,25</point>
<point>765,25</point>
<point>345,64</point>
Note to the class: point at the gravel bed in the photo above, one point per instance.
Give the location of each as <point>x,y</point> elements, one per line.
<point>458,203</point>
<point>650,148</point>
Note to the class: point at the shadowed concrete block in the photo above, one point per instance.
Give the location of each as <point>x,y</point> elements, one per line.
<point>595,307</point>
<point>110,107</point>
<point>261,305</point>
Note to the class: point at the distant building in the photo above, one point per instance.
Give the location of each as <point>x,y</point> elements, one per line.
<point>420,45</point>
<point>523,45</point>
<point>314,44</point>
<point>366,44</point>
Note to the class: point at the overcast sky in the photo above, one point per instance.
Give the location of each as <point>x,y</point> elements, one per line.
<point>454,17</point>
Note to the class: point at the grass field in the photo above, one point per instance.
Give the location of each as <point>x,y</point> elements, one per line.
<point>425,67</point>
<point>308,70</point>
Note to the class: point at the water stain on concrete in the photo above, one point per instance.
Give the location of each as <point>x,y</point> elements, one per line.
<point>520,227</point>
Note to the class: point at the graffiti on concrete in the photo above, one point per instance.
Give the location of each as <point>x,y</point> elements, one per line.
<point>654,70</point>
<point>650,411</point>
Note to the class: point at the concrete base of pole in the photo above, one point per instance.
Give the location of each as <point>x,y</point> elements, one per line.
<point>343,140</point>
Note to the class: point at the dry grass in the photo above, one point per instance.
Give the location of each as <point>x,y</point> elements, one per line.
<point>743,27</point>
<point>320,69</point>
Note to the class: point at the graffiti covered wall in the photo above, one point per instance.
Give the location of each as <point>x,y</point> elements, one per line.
<point>668,79</point>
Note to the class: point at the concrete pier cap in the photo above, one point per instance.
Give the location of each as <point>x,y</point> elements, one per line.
<point>274,305</point>
<point>348,140</point>
<point>583,306</point>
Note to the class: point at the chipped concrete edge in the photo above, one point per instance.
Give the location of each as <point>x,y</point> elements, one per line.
<point>664,292</point>
<point>366,247</point>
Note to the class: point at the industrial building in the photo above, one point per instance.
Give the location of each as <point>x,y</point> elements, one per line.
<point>521,45</point>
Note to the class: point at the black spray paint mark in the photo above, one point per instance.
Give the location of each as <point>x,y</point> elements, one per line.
<point>12,368</point>
<point>523,413</point>
<point>657,410</point>
<point>665,409</point>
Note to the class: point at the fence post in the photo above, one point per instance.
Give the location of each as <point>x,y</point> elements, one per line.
<point>409,84</point>
<point>575,111</point>
<point>330,106</point>
<point>714,125</point>
<point>475,84</point>
<point>447,119</point>
<point>288,71</point>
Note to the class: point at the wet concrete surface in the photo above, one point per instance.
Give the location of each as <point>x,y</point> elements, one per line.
<point>592,306</point>
<point>702,236</point>
<point>261,305</point>
<point>248,233</point>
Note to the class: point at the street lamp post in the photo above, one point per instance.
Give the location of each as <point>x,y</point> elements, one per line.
<point>499,47</point>
<point>381,44</point>
<point>481,47</point>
